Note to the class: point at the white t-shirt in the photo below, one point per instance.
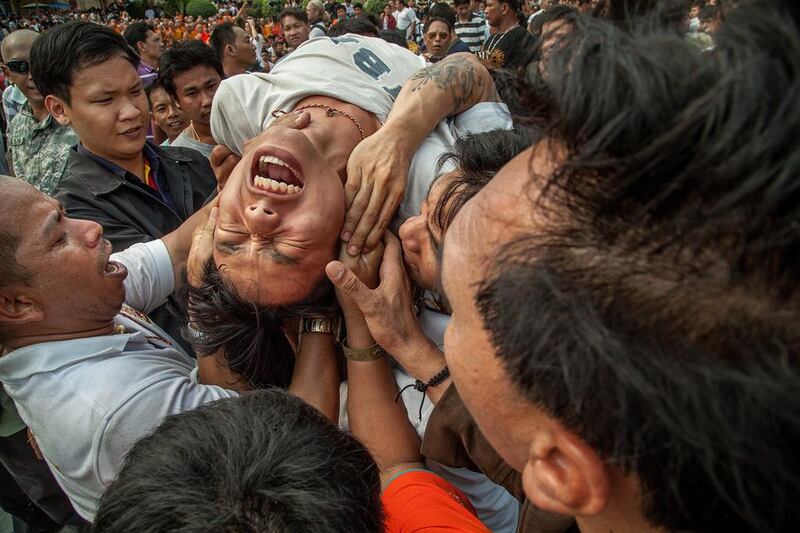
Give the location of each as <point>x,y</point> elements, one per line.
<point>405,19</point>
<point>364,71</point>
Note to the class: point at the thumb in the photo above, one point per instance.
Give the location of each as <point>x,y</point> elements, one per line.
<point>347,282</point>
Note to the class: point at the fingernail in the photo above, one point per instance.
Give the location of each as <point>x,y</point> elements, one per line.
<point>346,236</point>
<point>335,270</point>
<point>353,250</point>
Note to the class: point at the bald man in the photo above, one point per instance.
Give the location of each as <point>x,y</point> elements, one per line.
<point>39,144</point>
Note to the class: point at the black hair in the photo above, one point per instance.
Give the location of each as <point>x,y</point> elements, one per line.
<point>461,2</point>
<point>658,319</point>
<point>478,157</point>
<point>391,36</point>
<point>60,52</point>
<point>251,336</point>
<point>513,5</point>
<point>708,13</point>
<point>182,57</point>
<point>699,3</point>
<point>137,33</point>
<point>153,87</point>
<point>558,12</point>
<point>357,25</point>
<point>358,5</point>
<point>299,14</point>
<point>443,11</point>
<point>443,20</point>
<point>222,36</point>
<point>265,461</point>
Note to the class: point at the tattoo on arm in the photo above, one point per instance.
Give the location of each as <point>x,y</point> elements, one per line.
<point>460,78</point>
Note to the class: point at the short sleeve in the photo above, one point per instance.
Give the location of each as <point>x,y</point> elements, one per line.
<point>143,412</point>
<point>421,501</point>
<point>151,278</point>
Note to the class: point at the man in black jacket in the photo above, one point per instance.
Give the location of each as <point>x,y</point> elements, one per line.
<point>137,191</point>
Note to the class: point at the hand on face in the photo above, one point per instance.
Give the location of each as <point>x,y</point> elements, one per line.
<point>389,308</point>
<point>377,172</point>
<point>202,247</point>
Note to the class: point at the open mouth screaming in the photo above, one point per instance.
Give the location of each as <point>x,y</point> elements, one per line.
<point>276,176</point>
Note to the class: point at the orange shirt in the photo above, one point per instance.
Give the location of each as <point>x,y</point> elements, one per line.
<point>419,500</point>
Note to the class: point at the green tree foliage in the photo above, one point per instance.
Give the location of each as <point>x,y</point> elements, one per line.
<point>374,6</point>
<point>201,8</point>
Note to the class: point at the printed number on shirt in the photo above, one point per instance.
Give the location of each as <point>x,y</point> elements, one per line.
<point>370,64</point>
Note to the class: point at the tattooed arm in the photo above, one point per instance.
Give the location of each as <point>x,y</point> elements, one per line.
<point>378,167</point>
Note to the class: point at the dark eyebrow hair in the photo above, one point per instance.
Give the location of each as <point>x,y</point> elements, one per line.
<point>271,252</point>
<point>53,220</point>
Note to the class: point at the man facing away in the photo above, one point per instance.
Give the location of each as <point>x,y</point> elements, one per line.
<point>149,46</point>
<point>234,48</point>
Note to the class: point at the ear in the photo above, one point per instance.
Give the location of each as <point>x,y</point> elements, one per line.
<point>230,48</point>
<point>58,108</point>
<point>139,46</point>
<point>17,309</point>
<point>564,475</point>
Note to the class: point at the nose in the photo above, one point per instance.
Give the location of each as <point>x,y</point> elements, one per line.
<point>92,232</point>
<point>408,232</point>
<point>129,111</point>
<point>261,218</point>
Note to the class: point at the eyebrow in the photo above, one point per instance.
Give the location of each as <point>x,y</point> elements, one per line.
<point>53,220</point>
<point>278,257</point>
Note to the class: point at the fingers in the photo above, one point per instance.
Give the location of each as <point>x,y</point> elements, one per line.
<point>223,161</point>
<point>355,212</point>
<point>347,282</point>
<point>218,154</point>
<point>384,219</point>
<point>393,270</point>
<point>369,221</point>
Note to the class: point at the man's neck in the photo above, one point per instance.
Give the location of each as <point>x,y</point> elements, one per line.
<point>150,62</point>
<point>507,23</point>
<point>200,132</point>
<point>38,110</point>
<point>232,67</point>
<point>28,339</point>
<point>336,137</point>
<point>134,165</point>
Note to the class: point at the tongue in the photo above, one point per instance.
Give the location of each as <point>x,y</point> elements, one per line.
<point>281,173</point>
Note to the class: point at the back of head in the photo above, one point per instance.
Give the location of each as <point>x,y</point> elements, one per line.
<point>136,33</point>
<point>182,57</point>
<point>666,302</point>
<point>551,14</point>
<point>443,11</point>
<point>67,48</point>
<point>263,462</point>
<point>358,25</point>
<point>222,35</point>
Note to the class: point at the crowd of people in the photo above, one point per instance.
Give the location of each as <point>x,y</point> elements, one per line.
<point>466,266</point>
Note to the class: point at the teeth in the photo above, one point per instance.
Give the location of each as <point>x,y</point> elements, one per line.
<point>269,184</point>
<point>264,160</point>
